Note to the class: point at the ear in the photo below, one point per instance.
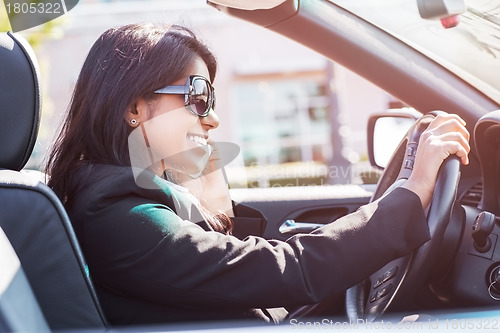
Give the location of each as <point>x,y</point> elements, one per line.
<point>136,113</point>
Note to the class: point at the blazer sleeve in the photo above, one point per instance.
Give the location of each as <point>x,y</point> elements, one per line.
<point>147,251</point>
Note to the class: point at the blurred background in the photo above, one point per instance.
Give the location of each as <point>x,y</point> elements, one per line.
<point>299,118</point>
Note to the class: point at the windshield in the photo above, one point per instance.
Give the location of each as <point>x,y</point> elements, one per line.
<point>471,50</point>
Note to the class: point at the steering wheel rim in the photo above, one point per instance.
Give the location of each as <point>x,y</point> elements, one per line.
<point>399,279</point>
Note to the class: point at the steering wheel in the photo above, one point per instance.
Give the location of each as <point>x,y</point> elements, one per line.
<point>398,281</point>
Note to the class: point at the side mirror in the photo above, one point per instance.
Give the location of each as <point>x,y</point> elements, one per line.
<point>385,132</point>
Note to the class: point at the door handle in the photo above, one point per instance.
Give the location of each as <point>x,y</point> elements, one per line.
<point>293,227</point>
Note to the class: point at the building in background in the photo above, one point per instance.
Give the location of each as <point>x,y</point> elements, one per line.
<point>274,96</point>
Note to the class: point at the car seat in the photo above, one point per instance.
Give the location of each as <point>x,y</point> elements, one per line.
<point>19,310</point>
<point>31,215</point>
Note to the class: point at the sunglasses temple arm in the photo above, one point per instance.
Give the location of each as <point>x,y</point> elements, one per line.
<point>176,90</point>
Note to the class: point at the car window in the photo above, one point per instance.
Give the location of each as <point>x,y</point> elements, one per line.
<point>294,131</point>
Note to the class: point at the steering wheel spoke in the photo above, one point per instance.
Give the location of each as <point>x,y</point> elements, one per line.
<point>383,286</point>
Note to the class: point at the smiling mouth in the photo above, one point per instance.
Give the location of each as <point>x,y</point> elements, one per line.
<point>198,139</point>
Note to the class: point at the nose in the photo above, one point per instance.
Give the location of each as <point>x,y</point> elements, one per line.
<point>211,121</point>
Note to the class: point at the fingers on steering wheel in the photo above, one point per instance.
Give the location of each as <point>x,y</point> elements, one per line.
<point>443,124</point>
<point>450,130</point>
<point>455,143</point>
<point>438,120</point>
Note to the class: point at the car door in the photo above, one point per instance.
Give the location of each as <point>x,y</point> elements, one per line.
<point>307,206</point>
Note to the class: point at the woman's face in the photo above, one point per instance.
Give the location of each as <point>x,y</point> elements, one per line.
<point>176,137</point>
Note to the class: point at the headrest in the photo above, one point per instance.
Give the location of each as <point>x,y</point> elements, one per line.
<point>20,101</point>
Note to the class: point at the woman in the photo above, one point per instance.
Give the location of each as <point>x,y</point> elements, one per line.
<point>150,206</point>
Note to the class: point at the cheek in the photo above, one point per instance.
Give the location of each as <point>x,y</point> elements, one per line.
<point>167,132</point>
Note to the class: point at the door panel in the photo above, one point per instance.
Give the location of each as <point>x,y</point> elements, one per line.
<point>310,204</point>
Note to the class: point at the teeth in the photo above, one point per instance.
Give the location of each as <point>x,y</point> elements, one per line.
<point>198,139</point>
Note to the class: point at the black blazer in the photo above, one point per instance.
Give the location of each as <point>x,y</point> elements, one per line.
<point>152,259</point>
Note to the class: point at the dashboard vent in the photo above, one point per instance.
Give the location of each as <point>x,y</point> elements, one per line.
<point>473,196</point>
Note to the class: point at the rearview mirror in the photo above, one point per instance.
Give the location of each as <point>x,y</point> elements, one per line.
<point>445,10</point>
<point>385,132</point>
<point>248,5</point>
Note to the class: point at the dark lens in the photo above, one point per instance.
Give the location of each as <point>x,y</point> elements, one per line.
<point>200,96</point>
<point>201,107</point>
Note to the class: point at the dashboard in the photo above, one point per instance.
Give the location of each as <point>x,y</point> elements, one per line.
<point>468,272</point>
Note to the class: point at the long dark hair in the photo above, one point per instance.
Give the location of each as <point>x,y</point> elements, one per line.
<point>124,64</point>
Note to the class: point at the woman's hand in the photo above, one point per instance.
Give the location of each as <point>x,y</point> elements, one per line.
<point>211,187</point>
<point>446,135</point>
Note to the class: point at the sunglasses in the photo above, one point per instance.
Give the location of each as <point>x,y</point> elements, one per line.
<point>199,95</point>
